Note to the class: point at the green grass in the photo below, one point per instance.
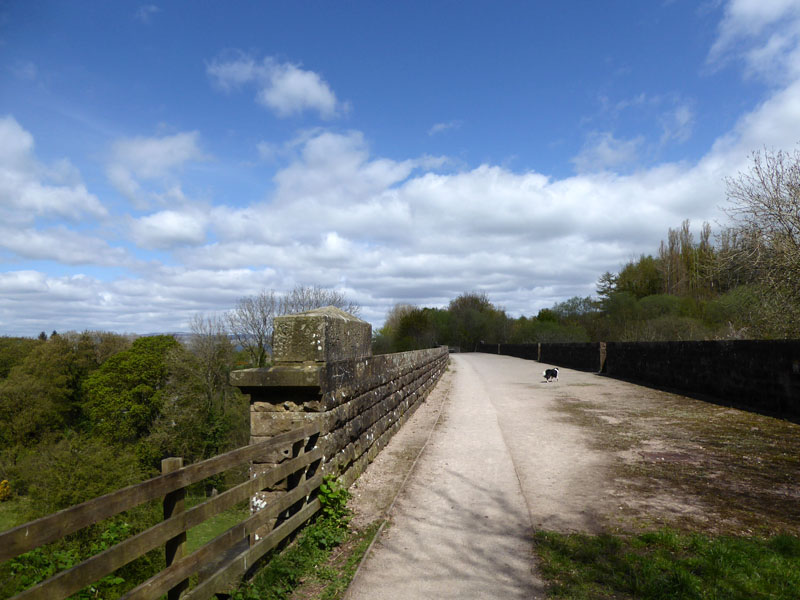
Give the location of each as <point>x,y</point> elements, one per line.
<point>12,512</point>
<point>308,554</point>
<point>320,563</point>
<point>341,572</point>
<point>205,532</point>
<point>669,565</point>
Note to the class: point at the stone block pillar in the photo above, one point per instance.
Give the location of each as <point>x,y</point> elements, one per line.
<point>290,393</point>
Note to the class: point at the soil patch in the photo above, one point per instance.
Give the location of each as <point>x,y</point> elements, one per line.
<point>692,464</point>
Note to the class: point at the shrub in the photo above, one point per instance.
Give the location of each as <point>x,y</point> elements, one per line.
<point>5,490</point>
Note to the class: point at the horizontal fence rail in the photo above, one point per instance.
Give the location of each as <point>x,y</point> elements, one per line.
<point>53,527</point>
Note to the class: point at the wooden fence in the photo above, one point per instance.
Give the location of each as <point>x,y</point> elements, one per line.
<point>219,562</point>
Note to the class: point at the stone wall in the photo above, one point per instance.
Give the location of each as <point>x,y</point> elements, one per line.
<point>580,356</point>
<point>324,373</point>
<point>762,375</point>
<point>583,357</point>
<point>526,351</point>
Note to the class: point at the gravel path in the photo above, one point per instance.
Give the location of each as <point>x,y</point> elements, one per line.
<point>495,453</point>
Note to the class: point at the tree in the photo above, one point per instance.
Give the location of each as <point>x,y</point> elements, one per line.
<point>44,392</point>
<point>640,278</point>
<point>251,322</point>
<point>762,246</point>
<point>124,397</point>
<point>203,414</point>
<point>474,319</point>
<point>303,298</point>
<point>385,339</point>
<point>416,330</point>
<point>607,285</point>
<point>251,325</point>
<point>13,351</point>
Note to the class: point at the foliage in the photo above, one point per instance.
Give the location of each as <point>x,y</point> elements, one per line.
<point>416,330</point>
<point>761,249</point>
<point>203,415</point>
<point>284,571</point>
<point>641,278</point>
<point>5,490</point>
<point>42,563</point>
<point>126,394</point>
<point>43,395</point>
<point>666,564</point>
<point>764,204</point>
<point>76,468</point>
<point>333,497</point>
<point>13,351</point>
<point>473,319</point>
<point>80,414</point>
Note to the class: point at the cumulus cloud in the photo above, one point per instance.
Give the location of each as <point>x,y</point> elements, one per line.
<point>285,88</point>
<point>62,245</point>
<point>765,35</point>
<point>421,236</point>
<point>139,159</point>
<point>170,228</point>
<point>30,190</point>
<point>387,230</point>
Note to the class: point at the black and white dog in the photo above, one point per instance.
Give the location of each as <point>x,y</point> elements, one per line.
<point>551,374</point>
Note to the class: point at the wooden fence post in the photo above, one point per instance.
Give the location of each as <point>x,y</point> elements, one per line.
<point>174,503</point>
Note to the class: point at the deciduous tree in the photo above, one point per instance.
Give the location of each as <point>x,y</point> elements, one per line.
<point>762,247</point>
<point>251,322</point>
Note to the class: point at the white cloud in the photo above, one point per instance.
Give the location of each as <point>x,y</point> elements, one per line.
<point>677,124</point>
<point>147,159</point>
<point>603,151</point>
<point>30,190</point>
<point>285,88</point>
<point>61,245</point>
<point>390,230</point>
<point>763,33</point>
<point>170,228</point>
<point>442,127</point>
<point>155,157</point>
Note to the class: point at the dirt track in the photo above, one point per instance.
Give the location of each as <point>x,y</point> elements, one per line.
<point>510,453</point>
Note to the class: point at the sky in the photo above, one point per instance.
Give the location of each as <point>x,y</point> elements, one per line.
<point>163,160</point>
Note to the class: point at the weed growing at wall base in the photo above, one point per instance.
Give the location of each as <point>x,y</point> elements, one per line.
<point>308,555</point>
<point>669,565</point>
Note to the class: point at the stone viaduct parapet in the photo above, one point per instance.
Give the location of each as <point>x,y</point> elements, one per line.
<point>324,373</point>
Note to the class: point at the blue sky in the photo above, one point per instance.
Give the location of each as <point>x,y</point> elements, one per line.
<point>159,160</point>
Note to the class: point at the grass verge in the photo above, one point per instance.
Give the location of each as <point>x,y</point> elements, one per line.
<point>12,512</point>
<point>207,530</point>
<point>320,563</point>
<point>668,564</point>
